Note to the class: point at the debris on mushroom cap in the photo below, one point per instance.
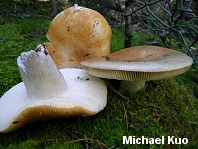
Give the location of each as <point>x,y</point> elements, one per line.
<point>78,34</point>
<point>139,63</point>
<point>48,93</point>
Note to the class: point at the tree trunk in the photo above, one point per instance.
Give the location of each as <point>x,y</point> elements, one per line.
<point>128,26</point>
<point>53,8</point>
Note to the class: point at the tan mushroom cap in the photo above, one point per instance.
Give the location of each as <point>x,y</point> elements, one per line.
<point>78,35</point>
<point>139,63</point>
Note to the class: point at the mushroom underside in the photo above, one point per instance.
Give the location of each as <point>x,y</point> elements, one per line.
<point>131,80</point>
<point>86,95</point>
<point>133,75</point>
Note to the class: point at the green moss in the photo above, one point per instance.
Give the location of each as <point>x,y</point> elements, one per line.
<point>14,31</point>
<point>117,41</point>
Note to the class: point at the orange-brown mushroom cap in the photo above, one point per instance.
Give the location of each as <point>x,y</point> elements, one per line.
<point>78,35</point>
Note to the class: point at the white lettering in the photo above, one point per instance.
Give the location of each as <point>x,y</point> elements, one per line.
<point>144,139</point>
<point>177,140</point>
<point>170,140</point>
<point>157,141</point>
<point>184,140</point>
<point>151,141</point>
<point>162,139</point>
<point>173,140</point>
<point>127,141</point>
<point>134,139</point>
<point>137,141</point>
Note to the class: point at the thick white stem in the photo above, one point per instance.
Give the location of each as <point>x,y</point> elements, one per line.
<point>132,86</point>
<point>40,75</point>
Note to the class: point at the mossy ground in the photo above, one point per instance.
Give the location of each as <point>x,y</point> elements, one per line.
<point>163,108</point>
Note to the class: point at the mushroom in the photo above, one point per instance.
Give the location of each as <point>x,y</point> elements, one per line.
<point>47,93</point>
<point>77,34</point>
<point>136,65</point>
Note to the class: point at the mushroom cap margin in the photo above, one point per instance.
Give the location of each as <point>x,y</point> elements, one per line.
<point>17,110</point>
<point>139,63</point>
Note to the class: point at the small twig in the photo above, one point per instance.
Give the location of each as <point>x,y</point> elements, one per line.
<point>68,127</point>
<point>143,6</point>
<point>73,135</point>
<point>168,12</point>
<point>154,106</point>
<point>113,89</point>
<point>86,143</point>
<point>133,121</point>
<point>87,139</point>
<point>41,16</point>
<point>53,140</point>
<point>195,41</point>
<point>126,117</point>
<point>27,37</point>
<point>158,19</point>
<point>195,123</point>
<point>33,35</point>
<point>4,40</point>
<point>99,144</point>
<point>18,16</point>
<point>112,147</point>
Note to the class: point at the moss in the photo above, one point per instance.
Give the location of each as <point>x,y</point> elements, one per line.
<point>15,31</point>
<point>117,41</point>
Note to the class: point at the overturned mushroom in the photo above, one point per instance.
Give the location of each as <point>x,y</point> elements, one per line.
<point>77,34</point>
<point>138,64</point>
<point>47,93</point>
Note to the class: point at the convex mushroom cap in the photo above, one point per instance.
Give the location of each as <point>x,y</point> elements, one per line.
<point>78,34</point>
<point>139,64</point>
<point>47,93</point>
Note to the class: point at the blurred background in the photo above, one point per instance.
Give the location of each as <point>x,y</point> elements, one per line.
<point>168,23</point>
